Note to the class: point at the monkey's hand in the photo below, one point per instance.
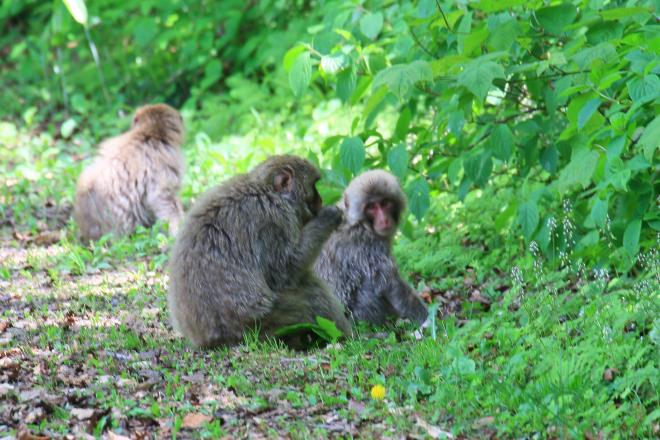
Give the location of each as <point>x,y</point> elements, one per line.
<point>331,216</point>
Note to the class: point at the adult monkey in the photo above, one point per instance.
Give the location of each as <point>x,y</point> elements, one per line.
<point>357,261</point>
<point>136,177</point>
<point>245,252</point>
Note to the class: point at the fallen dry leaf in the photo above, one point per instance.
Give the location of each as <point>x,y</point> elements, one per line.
<point>82,413</point>
<point>195,420</point>
<point>112,436</point>
<point>47,238</point>
<point>434,431</point>
<point>484,421</point>
<point>25,434</point>
<point>609,374</point>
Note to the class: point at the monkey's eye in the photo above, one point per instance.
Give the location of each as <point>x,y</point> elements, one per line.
<point>369,206</point>
<point>386,204</point>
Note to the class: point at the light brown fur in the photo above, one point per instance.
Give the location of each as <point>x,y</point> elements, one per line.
<point>136,177</point>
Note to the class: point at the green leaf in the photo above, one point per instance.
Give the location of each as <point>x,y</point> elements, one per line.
<point>599,212</point>
<point>498,5</point>
<point>332,64</point>
<point>346,81</point>
<point>371,25</point>
<point>400,78</point>
<point>500,142</point>
<point>587,112</point>
<point>144,31</point>
<point>401,129</point>
<point>478,75</point>
<point>555,18</point>
<point>291,55</point>
<point>212,73</point>
<point>329,327</point>
<point>397,160</point>
<point>650,140</point>
<point>301,74</point>
<point>478,167</point>
<point>645,89</point>
<point>78,10</point>
<point>579,170</point>
<point>631,237</point>
<point>528,218</point>
<point>352,154</point>
<point>66,130</point>
<point>586,57</point>
<point>619,13</point>
<point>418,197</point>
<point>549,159</point>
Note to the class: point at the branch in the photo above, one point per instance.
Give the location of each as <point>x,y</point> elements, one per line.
<point>421,46</point>
<point>437,2</point>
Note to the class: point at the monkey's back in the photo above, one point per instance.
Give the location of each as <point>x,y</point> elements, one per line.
<point>112,191</point>
<point>220,280</point>
<point>357,267</point>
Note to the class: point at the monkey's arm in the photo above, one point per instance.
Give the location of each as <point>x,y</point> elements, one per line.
<point>404,300</point>
<point>314,234</point>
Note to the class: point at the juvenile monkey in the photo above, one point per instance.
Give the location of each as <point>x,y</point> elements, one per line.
<point>357,261</point>
<point>136,177</point>
<point>244,256</point>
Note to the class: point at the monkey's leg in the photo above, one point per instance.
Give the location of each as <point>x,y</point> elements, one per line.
<point>166,206</point>
<point>404,300</point>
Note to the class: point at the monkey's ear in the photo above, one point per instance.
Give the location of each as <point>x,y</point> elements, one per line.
<point>283,181</point>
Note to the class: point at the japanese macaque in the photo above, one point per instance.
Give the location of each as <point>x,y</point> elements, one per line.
<point>357,261</point>
<point>244,256</point>
<point>136,177</point>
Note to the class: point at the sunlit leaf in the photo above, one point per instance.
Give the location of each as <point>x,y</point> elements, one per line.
<point>78,10</point>
<point>352,154</point>
<point>371,24</point>
<point>478,76</point>
<point>301,74</point>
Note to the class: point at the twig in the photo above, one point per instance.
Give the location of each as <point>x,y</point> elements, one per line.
<point>421,46</point>
<point>437,2</point>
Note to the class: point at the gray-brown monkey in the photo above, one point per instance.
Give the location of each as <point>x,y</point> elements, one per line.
<point>245,253</point>
<point>136,177</point>
<point>357,261</point>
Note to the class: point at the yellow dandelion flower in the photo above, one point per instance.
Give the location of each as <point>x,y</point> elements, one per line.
<point>378,392</point>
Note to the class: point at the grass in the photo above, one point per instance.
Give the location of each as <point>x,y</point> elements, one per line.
<point>86,345</point>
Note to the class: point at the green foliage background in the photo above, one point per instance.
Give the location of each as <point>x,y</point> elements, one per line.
<point>558,100</point>
<point>525,133</point>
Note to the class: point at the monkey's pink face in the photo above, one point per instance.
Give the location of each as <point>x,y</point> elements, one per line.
<point>381,216</point>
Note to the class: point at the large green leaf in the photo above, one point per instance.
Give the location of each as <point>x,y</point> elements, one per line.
<point>371,24</point>
<point>500,142</point>
<point>579,170</point>
<point>631,237</point>
<point>478,76</point>
<point>478,167</point>
<point>650,139</point>
<point>599,212</point>
<point>301,74</point>
<point>419,199</point>
<point>587,112</point>
<point>400,78</point>
<point>555,18</point>
<point>397,160</point>
<point>528,218</point>
<point>352,154</point>
<point>645,89</point>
